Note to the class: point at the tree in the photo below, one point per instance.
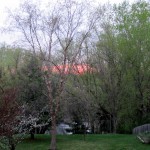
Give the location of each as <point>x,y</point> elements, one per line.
<point>50,32</point>
<point>133,32</point>
<point>10,111</point>
<point>32,95</point>
<point>121,56</point>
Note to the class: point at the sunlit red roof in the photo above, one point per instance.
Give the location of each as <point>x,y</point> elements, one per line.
<point>70,69</point>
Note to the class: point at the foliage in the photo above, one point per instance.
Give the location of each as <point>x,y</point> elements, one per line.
<point>115,97</point>
<point>32,95</point>
<point>10,112</point>
<point>122,61</point>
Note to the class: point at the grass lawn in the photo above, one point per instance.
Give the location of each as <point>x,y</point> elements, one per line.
<point>92,142</point>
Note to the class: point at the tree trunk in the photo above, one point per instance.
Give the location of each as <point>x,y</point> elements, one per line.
<point>92,127</point>
<point>11,143</point>
<point>32,136</point>
<point>84,134</point>
<point>115,124</point>
<point>12,147</point>
<point>53,133</point>
<point>32,132</point>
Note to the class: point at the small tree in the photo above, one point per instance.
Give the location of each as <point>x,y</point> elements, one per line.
<point>32,86</point>
<point>9,113</point>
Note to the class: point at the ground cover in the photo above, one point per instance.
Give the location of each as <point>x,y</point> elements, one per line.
<point>92,142</point>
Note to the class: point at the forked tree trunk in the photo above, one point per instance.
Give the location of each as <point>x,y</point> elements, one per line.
<point>53,133</point>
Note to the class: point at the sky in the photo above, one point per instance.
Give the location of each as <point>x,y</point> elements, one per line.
<point>12,4</point>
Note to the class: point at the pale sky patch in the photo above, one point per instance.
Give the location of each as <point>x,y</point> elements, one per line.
<point>12,4</point>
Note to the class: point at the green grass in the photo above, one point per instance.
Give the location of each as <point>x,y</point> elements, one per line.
<point>92,142</point>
